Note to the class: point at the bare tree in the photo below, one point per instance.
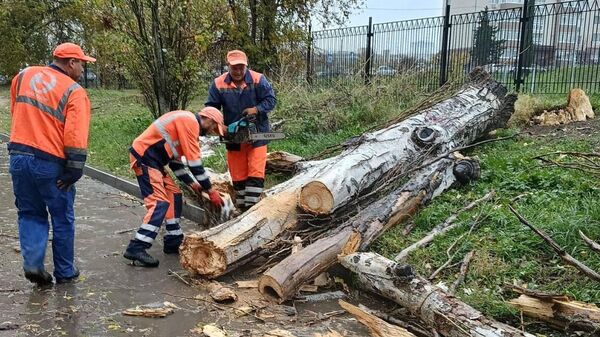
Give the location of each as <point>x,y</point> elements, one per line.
<point>166,41</point>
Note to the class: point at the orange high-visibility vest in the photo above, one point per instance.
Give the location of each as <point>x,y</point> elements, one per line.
<point>175,134</point>
<point>50,116</point>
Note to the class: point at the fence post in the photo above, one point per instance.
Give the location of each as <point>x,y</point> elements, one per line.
<point>85,75</point>
<point>369,52</point>
<point>445,42</point>
<point>521,56</point>
<point>309,55</point>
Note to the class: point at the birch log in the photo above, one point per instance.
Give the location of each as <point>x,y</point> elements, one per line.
<point>446,314</point>
<point>283,281</point>
<point>477,108</point>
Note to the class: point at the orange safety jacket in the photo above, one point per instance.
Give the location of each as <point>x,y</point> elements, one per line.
<point>170,137</point>
<point>50,116</point>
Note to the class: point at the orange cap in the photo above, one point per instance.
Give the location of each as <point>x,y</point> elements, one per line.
<point>215,115</point>
<point>71,51</point>
<point>237,57</point>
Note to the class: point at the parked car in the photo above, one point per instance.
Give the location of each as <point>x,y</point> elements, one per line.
<point>386,71</point>
<point>3,80</point>
<point>330,73</point>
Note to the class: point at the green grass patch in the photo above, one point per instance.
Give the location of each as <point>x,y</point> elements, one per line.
<point>559,201</point>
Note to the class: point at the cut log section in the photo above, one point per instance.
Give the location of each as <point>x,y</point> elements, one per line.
<point>438,309</point>
<point>280,161</point>
<point>377,326</point>
<point>558,310</point>
<point>283,281</point>
<point>477,108</point>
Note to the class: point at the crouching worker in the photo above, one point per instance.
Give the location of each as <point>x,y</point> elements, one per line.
<point>171,137</point>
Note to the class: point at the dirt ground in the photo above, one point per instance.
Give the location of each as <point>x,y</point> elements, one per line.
<point>589,129</point>
<point>108,285</point>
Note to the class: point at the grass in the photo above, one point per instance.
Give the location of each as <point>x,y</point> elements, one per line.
<point>559,201</point>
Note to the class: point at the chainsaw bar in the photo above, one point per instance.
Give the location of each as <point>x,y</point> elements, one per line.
<point>266,136</point>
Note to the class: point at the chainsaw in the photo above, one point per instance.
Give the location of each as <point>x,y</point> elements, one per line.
<point>244,131</point>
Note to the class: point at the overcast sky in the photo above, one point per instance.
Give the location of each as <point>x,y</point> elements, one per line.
<point>395,10</point>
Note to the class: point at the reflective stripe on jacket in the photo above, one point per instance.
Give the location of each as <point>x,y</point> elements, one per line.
<point>167,139</point>
<point>50,116</point>
<point>256,91</point>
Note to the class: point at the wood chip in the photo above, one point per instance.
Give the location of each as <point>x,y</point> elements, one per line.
<point>151,310</point>
<point>223,294</point>
<point>278,333</point>
<point>309,288</point>
<point>247,284</point>
<point>210,330</point>
<point>243,311</point>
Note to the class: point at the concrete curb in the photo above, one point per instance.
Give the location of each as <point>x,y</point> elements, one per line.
<point>191,212</point>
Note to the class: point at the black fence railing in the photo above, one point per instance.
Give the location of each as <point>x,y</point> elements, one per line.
<point>546,48</point>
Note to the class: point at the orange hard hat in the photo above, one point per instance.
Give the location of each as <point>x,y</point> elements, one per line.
<point>71,51</point>
<point>237,57</point>
<point>216,115</point>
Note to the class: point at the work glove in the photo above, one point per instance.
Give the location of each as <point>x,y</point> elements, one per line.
<point>215,198</point>
<point>68,177</point>
<point>250,114</point>
<point>197,188</point>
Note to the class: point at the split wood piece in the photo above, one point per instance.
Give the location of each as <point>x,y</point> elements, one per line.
<point>153,311</point>
<point>377,326</point>
<point>471,113</point>
<point>247,284</point>
<point>411,327</point>
<point>566,257</point>
<point>560,312</point>
<point>435,307</point>
<point>283,280</point>
<point>443,227</point>
<point>210,330</point>
<point>590,243</point>
<point>464,267</point>
<point>477,108</point>
<point>281,161</point>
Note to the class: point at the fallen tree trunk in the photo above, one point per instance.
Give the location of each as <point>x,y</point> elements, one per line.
<point>471,113</point>
<point>477,108</point>
<point>283,281</point>
<point>280,161</point>
<point>438,309</point>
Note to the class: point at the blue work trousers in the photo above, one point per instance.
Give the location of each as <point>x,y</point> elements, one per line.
<point>36,195</point>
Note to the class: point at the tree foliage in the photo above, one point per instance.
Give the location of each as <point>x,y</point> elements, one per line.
<point>270,29</point>
<point>164,43</point>
<point>29,29</point>
<point>487,47</point>
<point>165,47</point>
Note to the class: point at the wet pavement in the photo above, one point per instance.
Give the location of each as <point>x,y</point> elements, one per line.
<point>109,284</point>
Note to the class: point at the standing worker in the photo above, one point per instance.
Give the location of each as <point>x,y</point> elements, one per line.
<point>172,136</point>
<point>243,93</point>
<point>48,148</point>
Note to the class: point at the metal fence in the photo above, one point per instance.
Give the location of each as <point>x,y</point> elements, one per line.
<point>546,48</point>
